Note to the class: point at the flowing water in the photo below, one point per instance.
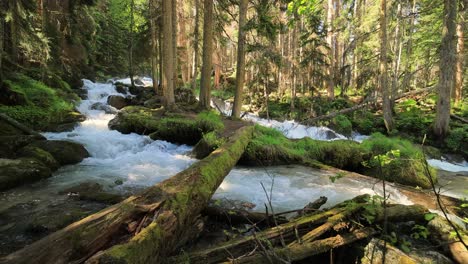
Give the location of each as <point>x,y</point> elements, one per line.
<point>125,164</point>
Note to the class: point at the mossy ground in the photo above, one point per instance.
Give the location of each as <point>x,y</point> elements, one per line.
<point>43,104</point>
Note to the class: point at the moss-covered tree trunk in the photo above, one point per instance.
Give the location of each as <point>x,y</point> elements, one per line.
<point>145,227</point>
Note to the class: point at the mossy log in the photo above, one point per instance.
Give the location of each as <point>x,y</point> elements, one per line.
<point>20,126</point>
<point>301,251</point>
<point>286,232</point>
<point>239,216</point>
<point>145,227</point>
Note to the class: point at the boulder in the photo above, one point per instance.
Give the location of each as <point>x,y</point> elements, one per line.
<point>65,152</point>
<point>7,129</point>
<point>103,107</point>
<point>10,144</point>
<point>117,101</point>
<point>14,172</point>
<point>92,191</point>
<point>154,102</point>
<point>121,88</point>
<point>40,155</point>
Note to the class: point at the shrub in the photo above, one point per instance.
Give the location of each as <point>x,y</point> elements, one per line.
<point>457,141</point>
<point>342,125</point>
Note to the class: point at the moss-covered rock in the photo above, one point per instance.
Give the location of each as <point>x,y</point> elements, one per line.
<point>177,130</point>
<point>342,125</point>
<point>207,144</point>
<point>400,160</point>
<point>39,154</point>
<point>9,130</point>
<point>136,119</point>
<point>17,172</point>
<point>65,152</point>
<point>271,147</point>
<point>10,144</point>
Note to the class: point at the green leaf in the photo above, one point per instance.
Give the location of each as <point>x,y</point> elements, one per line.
<point>429,216</point>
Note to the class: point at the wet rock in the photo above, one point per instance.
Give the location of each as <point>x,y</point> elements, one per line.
<point>65,127</point>
<point>65,152</point>
<point>39,154</point>
<point>103,107</point>
<point>138,81</point>
<point>135,90</point>
<point>330,134</point>
<point>154,102</point>
<point>10,144</point>
<point>120,88</point>
<point>15,172</point>
<point>9,130</point>
<point>117,101</point>
<point>184,95</point>
<point>92,191</point>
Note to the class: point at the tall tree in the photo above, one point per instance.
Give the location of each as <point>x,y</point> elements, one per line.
<point>130,49</point>
<point>174,41</point>
<point>446,69</point>
<point>330,68</point>
<point>205,82</point>
<point>154,44</point>
<point>240,68</point>
<point>168,59</point>
<point>196,39</point>
<point>383,76</point>
<point>457,91</point>
<point>2,39</point>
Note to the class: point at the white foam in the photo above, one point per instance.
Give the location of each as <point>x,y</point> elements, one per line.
<point>447,166</point>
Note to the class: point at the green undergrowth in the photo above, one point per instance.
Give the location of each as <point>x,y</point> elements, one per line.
<point>271,147</point>
<point>43,104</point>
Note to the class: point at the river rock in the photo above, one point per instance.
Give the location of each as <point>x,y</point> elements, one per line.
<point>120,88</point>
<point>92,191</point>
<point>117,101</point>
<point>10,144</point>
<point>15,172</point>
<point>154,102</point>
<point>7,129</point>
<point>65,152</point>
<point>103,107</point>
<point>39,154</point>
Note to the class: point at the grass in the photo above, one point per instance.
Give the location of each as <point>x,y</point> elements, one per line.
<point>44,104</point>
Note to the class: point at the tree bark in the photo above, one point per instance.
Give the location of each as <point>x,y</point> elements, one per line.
<point>383,76</point>
<point>240,68</point>
<point>2,39</point>
<point>146,227</point>
<point>330,72</point>
<point>205,83</point>
<point>130,49</point>
<point>167,52</point>
<point>447,69</point>
<point>174,42</point>
<point>196,45</point>
<point>154,46</point>
<point>457,92</point>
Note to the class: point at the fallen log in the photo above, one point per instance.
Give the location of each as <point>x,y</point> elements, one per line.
<point>302,251</point>
<point>20,126</point>
<point>145,227</point>
<point>313,206</point>
<point>286,232</point>
<point>367,103</point>
<point>459,118</point>
<point>239,216</point>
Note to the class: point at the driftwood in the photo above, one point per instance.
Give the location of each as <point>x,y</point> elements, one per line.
<point>361,106</point>
<point>313,206</point>
<point>301,251</point>
<point>145,227</point>
<point>238,216</point>
<point>20,126</point>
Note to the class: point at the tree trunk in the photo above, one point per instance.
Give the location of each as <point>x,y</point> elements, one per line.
<point>447,69</point>
<point>457,92</point>
<point>397,51</point>
<point>174,12</point>
<point>146,227</point>
<point>330,72</point>
<point>205,83</point>
<point>167,52</point>
<point>2,39</point>
<point>130,49</point>
<point>409,51</point>
<point>154,46</point>
<point>240,68</point>
<point>196,39</point>
<point>383,77</point>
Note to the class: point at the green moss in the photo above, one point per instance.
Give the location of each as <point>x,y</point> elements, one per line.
<point>342,125</point>
<point>44,105</point>
<point>406,169</point>
<point>39,154</point>
<point>209,121</point>
<point>457,141</point>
